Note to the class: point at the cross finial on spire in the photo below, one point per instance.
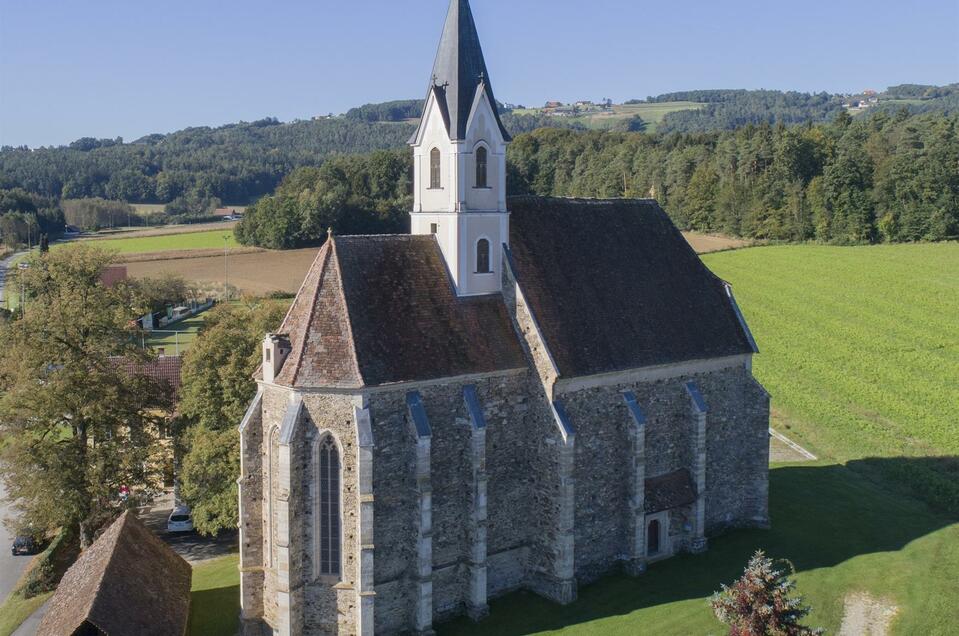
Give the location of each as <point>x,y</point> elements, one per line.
<point>329,233</point>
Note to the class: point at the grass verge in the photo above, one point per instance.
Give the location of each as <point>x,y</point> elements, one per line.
<point>17,609</point>
<point>215,602</point>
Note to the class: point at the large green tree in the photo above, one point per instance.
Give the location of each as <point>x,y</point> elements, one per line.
<point>217,388</point>
<point>76,427</point>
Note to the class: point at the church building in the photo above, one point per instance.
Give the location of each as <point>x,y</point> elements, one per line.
<point>524,393</point>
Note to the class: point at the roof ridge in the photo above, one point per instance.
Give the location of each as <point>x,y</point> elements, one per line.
<point>119,524</point>
<point>319,254</point>
<point>349,320</point>
<point>325,255</point>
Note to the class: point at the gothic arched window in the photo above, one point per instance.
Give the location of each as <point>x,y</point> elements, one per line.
<point>328,502</point>
<point>482,257</point>
<point>482,158</point>
<point>436,181</point>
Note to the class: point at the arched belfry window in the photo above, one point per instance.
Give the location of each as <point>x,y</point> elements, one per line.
<point>482,161</point>
<point>436,181</point>
<point>482,257</point>
<point>328,504</point>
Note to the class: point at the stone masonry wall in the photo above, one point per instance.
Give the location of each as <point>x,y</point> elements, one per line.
<point>508,462</point>
<point>737,456</point>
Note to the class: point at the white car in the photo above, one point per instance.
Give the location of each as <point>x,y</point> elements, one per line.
<point>180,521</point>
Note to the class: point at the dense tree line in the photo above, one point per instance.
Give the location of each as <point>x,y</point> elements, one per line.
<point>880,178</point>
<point>363,194</point>
<point>889,178</point>
<point>95,214</point>
<point>235,163</point>
<point>25,216</point>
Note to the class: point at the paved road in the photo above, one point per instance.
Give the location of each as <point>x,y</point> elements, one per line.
<point>4,264</point>
<point>11,567</point>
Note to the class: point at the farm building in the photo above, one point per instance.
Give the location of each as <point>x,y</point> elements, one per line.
<point>523,393</point>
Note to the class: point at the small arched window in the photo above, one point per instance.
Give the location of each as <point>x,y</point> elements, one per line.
<point>652,537</point>
<point>328,466</point>
<point>436,181</point>
<point>482,257</point>
<point>482,159</point>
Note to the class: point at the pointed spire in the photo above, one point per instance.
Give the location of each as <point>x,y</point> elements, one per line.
<point>460,69</point>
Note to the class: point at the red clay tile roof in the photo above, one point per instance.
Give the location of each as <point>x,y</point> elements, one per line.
<point>127,582</point>
<point>615,286</point>
<point>165,369</point>
<point>669,491</point>
<point>378,310</point>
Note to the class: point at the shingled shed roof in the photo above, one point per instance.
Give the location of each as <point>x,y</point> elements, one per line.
<point>381,309</point>
<point>127,582</point>
<point>669,491</point>
<point>615,286</point>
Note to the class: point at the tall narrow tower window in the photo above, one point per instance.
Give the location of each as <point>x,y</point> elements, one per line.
<point>481,170</point>
<point>435,176</point>
<point>482,257</point>
<point>328,467</point>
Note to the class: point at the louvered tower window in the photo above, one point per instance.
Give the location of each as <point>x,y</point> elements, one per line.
<point>481,167</point>
<point>435,175</point>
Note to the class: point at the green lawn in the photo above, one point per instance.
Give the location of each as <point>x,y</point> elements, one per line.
<point>177,343</point>
<point>215,604</point>
<point>212,239</point>
<point>17,609</point>
<point>861,354</point>
<point>860,350</point>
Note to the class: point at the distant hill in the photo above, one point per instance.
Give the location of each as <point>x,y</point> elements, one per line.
<point>239,163</point>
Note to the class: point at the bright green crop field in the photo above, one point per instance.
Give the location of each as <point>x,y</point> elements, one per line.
<point>860,350</point>
<point>167,243</point>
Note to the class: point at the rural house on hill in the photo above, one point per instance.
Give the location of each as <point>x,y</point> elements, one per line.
<point>128,582</point>
<point>523,393</point>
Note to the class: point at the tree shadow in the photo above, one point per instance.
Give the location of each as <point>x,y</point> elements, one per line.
<point>215,612</point>
<point>821,514</point>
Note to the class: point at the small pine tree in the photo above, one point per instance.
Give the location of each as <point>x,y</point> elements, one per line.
<point>759,603</point>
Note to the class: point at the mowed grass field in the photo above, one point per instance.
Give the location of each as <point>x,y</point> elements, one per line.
<point>652,114</point>
<point>211,239</point>
<point>860,351</point>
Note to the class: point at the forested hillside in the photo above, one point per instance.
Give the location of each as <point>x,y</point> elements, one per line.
<point>879,179</point>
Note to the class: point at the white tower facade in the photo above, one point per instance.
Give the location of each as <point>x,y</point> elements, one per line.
<point>459,158</point>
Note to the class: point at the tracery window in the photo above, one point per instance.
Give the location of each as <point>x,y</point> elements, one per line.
<point>328,466</point>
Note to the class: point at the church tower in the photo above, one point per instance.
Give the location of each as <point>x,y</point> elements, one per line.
<point>459,154</point>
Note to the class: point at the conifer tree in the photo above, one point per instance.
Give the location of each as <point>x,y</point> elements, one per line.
<point>760,603</point>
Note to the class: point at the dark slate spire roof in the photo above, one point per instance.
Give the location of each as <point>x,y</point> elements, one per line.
<point>460,70</point>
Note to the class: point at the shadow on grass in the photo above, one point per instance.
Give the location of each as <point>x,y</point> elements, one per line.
<point>215,612</point>
<point>822,515</point>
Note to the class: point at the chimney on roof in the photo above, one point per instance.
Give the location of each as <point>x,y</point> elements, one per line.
<point>275,350</point>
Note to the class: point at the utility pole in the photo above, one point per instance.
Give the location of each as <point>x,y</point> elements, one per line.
<point>226,267</point>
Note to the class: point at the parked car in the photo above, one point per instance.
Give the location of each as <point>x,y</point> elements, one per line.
<point>24,544</point>
<point>180,520</point>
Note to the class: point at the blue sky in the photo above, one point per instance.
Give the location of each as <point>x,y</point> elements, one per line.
<point>107,68</point>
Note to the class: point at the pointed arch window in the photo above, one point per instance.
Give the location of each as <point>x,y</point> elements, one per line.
<point>482,163</point>
<point>436,181</point>
<point>482,257</point>
<point>328,507</point>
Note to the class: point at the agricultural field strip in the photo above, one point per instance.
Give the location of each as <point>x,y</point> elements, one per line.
<point>868,359</point>
<point>171,242</point>
<point>847,371</point>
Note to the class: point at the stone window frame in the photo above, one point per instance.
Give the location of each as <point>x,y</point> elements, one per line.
<point>273,443</point>
<point>318,575</point>
<point>665,544</point>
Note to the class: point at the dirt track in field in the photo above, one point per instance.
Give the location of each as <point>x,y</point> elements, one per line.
<point>262,272</point>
